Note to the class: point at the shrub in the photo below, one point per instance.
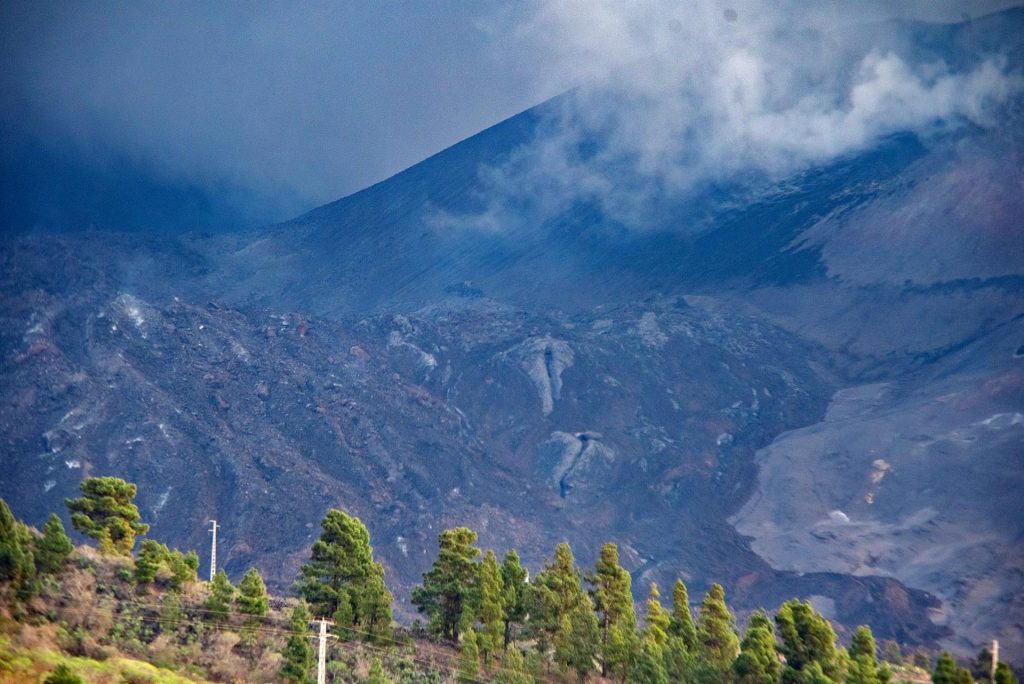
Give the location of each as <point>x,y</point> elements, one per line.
<point>62,674</point>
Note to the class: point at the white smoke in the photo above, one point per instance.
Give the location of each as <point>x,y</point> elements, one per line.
<point>672,96</point>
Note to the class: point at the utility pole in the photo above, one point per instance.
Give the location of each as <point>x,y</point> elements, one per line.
<point>321,661</point>
<point>213,549</point>
<point>995,658</point>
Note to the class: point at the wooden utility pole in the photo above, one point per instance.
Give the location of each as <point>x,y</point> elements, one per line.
<point>213,550</point>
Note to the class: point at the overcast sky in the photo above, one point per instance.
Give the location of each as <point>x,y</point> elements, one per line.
<point>307,102</point>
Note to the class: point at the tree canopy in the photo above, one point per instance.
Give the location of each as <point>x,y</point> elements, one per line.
<point>342,579</point>
<point>451,584</point>
<point>106,512</point>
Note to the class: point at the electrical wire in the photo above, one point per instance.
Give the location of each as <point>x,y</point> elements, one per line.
<point>271,626</point>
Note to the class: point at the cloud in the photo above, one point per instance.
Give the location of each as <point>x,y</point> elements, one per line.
<point>300,102</point>
<point>674,96</point>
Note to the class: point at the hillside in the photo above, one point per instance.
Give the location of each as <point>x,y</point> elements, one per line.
<point>142,616</point>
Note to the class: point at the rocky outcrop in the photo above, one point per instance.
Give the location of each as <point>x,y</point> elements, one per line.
<point>544,359</point>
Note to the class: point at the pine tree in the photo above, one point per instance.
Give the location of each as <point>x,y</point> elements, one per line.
<point>373,604</point>
<point>376,674</point>
<point>183,567</point>
<point>613,600</point>
<point>716,631</point>
<point>151,554</point>
<point>491,611</point>
<point>657,619</point>
<point>806,638</point>
<point>758,661</point>
<point>222,595</point>
<point>343,580</point>
<point>963,676</point>
<point>513,669</point>
<point>981,666</point>
<point>106,513</point>
<point>945,669</point>
<point>17,562</point>
<point>863,644</point>
<point>450,586</point>
<point>298,653</point>
<point>682,621</point>
<point>1004,675</point>
<point>469,657</point>
<point>863,667</point>
<point>514,594</point>
<point>53,548</point>
<point>555,594</point>
<point>648,666</point>
<point>252,601</point>
<point>811,674</point>
<point>679,660</point>
<point>252,595</point>
<point>576,645</point>
<point>860,671</point>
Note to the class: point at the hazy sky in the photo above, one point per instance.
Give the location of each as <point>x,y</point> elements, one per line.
<point>306,102</point>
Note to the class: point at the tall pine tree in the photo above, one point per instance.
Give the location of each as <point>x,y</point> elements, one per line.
<point>681,624</point>
<point>252,594</point>
<point>222,595</point>
<point>252,601</point>
<point>491,610</point>
<point>343,580</point>
<point>106,512</point>
<point>863,652</point>
<point>758,661</point>
<point>716,630</point>
<point>556,594</point>
<point>450,586</point>
<point>945,669</point>
<point>613,600</point>
<point>297,655</point>
<point>807,639</point>
<point>514,594</point>
<point>1004,675</point>
<point>53,548</point>
<point>469,657</point>
<point>17,562</point>
<point>576,643</point>
<point>658,621</point>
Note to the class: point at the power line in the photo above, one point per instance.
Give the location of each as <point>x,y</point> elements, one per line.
<point>268,628</point>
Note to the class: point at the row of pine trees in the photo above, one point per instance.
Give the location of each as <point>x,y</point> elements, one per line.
<point>507,626</point>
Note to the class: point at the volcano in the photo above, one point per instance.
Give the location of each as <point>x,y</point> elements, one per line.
<point>809,385</point>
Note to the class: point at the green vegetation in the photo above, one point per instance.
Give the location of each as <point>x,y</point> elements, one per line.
<point>252,594</point>
<point>53,548</point>
<point>154,557</point>
<point>17,561</point>
<point>449,588</point>
<point>297,653</point>
<point>62,674</point>
<point>342,579</point>
<point>106,513</point>
<point>222,595</point>
<point>72,615</point>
